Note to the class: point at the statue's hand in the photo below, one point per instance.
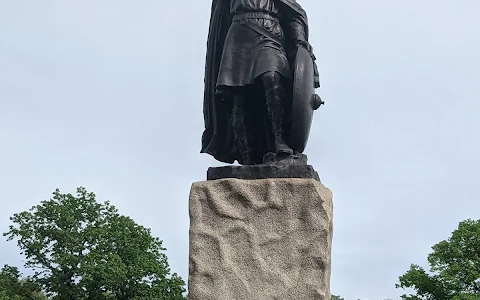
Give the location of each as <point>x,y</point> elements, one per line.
<point>304,43</point>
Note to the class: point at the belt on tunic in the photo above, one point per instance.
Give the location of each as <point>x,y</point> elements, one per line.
<point>261,31</point>
<point>254,15</point>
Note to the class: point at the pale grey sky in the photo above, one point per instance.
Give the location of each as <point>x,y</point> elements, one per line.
<point>108,95</point>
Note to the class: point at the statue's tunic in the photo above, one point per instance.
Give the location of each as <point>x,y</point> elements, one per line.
<point>248,54</point>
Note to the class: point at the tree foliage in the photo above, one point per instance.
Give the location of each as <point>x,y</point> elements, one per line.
<point>14,287</point>
<point>82,249</point>
<point>454,268</point>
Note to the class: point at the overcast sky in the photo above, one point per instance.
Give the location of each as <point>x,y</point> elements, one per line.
<point>108,95</point>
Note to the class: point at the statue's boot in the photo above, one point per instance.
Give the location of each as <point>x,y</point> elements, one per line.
<point>275,96</point>
<point>240,130</point>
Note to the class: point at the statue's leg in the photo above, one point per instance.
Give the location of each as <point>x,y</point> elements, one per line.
<point>239,125</point>
<point>275,97</point>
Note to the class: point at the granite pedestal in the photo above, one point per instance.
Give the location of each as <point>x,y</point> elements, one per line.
<point>262,239</point>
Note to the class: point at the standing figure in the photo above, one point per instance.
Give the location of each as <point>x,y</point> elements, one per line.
<point>249,78</point>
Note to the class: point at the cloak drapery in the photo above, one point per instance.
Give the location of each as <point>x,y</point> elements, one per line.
<point>218,138</point>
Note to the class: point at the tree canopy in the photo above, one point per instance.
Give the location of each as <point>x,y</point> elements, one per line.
<point>81,249</point>
<point>454,268</point>
<point>14,287</point>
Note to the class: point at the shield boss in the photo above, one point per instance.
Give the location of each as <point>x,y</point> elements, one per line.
<point>304,100</point>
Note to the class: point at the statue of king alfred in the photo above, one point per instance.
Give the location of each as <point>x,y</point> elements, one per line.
<point>260,80</point>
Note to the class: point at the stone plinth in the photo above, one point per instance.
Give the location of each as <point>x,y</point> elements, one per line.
<point>265,171</point>
<point>266,239</point>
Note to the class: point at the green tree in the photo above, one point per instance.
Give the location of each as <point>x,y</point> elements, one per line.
<point>337,298</point>
<point>14,287</point>
<point>82,249</point>
<point>454,268</point>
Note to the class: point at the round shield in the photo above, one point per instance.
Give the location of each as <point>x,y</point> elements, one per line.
<point>304,100</point>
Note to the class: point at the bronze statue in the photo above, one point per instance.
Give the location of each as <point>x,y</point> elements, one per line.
<point>260,80</point>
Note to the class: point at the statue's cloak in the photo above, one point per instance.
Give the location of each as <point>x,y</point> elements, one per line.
<point>218,137</point>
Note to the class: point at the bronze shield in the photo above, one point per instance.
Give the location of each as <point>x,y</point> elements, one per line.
<point>304,100</point>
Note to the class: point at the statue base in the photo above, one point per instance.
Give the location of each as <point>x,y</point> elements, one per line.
<point>260,239</point>
<point>274,166</point>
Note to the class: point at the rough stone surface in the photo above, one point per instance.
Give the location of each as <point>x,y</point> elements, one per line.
<point>260,239</point>
<point>263,171</point>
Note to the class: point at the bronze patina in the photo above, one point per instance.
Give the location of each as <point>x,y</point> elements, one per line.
<point>260,80</point>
